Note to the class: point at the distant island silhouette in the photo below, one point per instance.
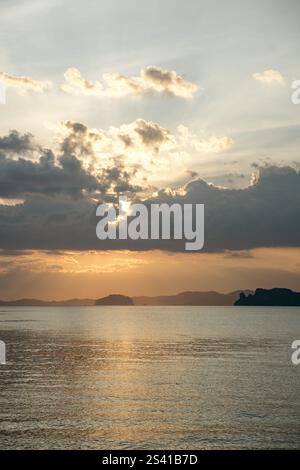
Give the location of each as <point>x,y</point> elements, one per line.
<point>261,297</point>
<point>191,298</point>
<point>183,298</point>
<point>270,297</point>
<point>115,299</point>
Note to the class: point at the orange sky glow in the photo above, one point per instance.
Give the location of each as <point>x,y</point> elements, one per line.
<point>62,275</point>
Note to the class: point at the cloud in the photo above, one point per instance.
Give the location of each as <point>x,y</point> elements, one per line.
<point>15,142</point>
<point>112,85</point>
<point>129,158</point>
<point>117,178</point>
<point>209,144</point>
<point>80,139</point>
<point>25,83</point>
<point>76,84</point>
<point>141,136</point>
<point>144,135</point>
<point>154,150</point>
<point>168,81</point>
<point>115,85</point>
<point>71,169</point>
<point>269,76</point>
<point>265,214</point>
<point>14,253</point>
<point>21,176</point>
<point>191,173</point>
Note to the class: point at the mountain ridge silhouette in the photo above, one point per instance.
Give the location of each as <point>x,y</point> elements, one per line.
<point>259,297</point>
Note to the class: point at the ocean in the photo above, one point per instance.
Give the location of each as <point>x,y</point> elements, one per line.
<point>149,378</point>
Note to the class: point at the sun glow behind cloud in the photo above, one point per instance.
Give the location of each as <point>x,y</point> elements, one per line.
<point>147,149</point>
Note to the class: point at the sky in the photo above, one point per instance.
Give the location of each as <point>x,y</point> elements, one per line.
<point>186,101</point>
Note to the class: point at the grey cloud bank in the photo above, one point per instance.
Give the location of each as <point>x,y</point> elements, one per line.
<point>60,200</point>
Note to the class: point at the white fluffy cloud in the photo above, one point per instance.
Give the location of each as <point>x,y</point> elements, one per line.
<point>147,148</point>
<point>25,83</point>
<point>167,81</point>
<point>111,85</point>
<point>76,84</point>
<point>143,138</point>
<point>269,76</point>
<point>211,144</point>
<point>150,79</point>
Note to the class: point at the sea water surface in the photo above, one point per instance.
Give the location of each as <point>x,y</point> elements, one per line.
<point>149,378</point>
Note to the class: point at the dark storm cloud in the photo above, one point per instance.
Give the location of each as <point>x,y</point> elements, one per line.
<point>119,178</point>
<point>80,139</point>
<point>21,176</point>
<point>266,214</point>
<point>15,142</point>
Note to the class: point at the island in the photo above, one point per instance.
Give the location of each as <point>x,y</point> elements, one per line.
<point>276,297</point>
<point>115,299</point>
